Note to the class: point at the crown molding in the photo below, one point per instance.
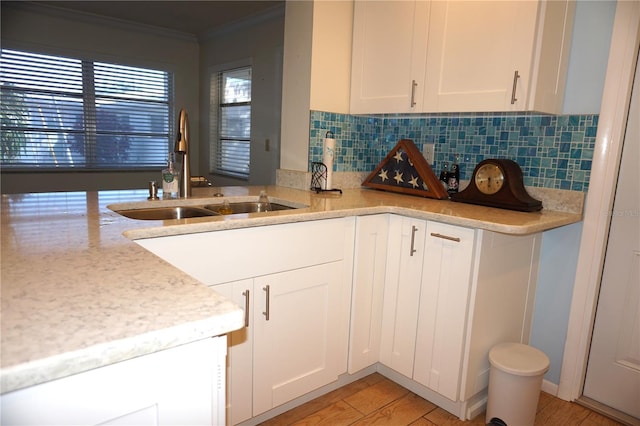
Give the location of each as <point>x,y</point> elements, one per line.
<point>264,16</point>
<point>94,19</point>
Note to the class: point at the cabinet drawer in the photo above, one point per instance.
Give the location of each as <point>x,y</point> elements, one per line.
<point>223,256</point>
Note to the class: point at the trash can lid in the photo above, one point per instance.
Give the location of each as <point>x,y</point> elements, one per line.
<point>519,359</point>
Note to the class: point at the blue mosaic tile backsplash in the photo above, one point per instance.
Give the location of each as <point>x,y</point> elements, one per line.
<point>553,151</point>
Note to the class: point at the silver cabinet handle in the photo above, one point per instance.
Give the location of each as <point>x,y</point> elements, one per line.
<point>267,290</point>
<point>413,93</point>
<point>516,76</point>
<point>413,240</point>
<point>445,237</point>
<point>246,307</point>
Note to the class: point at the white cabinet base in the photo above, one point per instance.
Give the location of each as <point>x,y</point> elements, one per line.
<point>178,386</point>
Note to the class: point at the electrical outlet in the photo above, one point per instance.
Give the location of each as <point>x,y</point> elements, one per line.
<point>429,152</point>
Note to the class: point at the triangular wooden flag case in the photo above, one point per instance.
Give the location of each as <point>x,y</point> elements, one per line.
<point>406,171</point>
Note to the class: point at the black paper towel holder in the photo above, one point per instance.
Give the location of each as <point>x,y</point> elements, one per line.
<point>319,175</point>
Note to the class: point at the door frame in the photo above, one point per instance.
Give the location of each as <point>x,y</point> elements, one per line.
<point>625,42</point>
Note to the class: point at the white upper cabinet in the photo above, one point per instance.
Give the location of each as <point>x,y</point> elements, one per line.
<point>497,55</point>
<point>479,56</point>
<point>388,57</point>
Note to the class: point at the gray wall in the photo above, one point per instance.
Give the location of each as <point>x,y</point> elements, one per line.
<point>262,49</point>
<point>588,56</point>
<point>259,42</point>
<point>48,30</point>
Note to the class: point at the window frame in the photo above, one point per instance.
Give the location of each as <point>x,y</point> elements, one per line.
<point>215,118</point>
<point>90,110</point>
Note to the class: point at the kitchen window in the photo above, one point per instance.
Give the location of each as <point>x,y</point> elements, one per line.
<point>230,122</point>
<point>61,113</point>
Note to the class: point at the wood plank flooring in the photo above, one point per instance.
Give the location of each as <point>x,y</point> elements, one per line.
<point>376,400</point>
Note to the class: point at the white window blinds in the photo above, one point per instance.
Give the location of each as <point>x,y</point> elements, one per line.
<point>62,113</point>
<point>231,122</point>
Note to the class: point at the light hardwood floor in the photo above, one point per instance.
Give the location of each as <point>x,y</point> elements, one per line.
<point>376,400</point>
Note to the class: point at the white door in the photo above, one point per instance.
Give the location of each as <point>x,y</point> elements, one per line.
<point>389,54</point>
<point>443,308</point>
<point>474,50</point>
<point>300,321</point>
<point>401,299</point>
<point>613,373</point>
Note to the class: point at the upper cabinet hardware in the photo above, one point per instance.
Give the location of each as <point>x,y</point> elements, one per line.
<point>516,76</point>
<point>413,93</point>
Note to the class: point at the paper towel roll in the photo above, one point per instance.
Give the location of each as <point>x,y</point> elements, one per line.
<point>328,151</point>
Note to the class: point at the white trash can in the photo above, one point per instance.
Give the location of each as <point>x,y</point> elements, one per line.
<point>515,380</point>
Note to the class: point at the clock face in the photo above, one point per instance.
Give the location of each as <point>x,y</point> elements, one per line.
<point>489,178</point>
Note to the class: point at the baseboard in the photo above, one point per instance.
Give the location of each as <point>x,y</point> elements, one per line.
<point>550,388</point>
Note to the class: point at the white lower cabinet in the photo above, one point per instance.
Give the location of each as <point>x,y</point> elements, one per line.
<point>424,299</point>
<point>405,254</point>
<point>369,266</point>
<point>294,281</point>
<point>178,386</point>
<point>295,340</point>
<point>444,296</point>
<point>449,294</point>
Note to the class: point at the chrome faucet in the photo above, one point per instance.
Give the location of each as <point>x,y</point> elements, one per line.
<point>182,146</point>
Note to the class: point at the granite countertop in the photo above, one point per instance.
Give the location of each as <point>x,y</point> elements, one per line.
<point>353,202</point>
<point>78,293</point>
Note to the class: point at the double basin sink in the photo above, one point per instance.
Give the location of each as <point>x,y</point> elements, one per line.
<point>184,212</point>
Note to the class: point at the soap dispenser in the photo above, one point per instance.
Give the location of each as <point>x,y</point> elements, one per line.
<point>170,179</point>
<point>263,202</point>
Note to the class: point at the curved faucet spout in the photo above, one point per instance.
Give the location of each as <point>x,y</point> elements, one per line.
<point>182,146</point>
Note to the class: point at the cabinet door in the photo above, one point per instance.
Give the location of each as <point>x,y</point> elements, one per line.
<point>388,56</point>
<point>368,287</point>
<point>446,283</point>
<point>474,49</point>
<point>240,354</point>
<point>401,293</point>
<point>301,329</point>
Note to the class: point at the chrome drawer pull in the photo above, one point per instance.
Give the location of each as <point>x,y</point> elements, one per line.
<point>246,307</point>
<point>445,237</point>
<point>413,239</point>
<point>266,312</point>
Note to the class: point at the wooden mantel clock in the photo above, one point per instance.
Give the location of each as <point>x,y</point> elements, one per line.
<point>498,183</point>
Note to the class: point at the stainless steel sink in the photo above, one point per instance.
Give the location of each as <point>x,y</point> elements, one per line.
<point>244,207</point>
<point>166,213</point>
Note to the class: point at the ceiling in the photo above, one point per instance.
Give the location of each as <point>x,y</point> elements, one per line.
<point>192,17</point>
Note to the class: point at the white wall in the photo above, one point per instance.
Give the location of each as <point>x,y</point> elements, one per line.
<point>316,71</point>
<point>259,43</point>
<point>296,87</point>
<point>588,59</point>
<point>48,30</point>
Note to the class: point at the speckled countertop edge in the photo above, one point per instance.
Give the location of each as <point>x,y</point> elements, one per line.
<point>353,202</point>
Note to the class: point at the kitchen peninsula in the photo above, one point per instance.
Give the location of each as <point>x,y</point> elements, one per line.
<point>78,294</point>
